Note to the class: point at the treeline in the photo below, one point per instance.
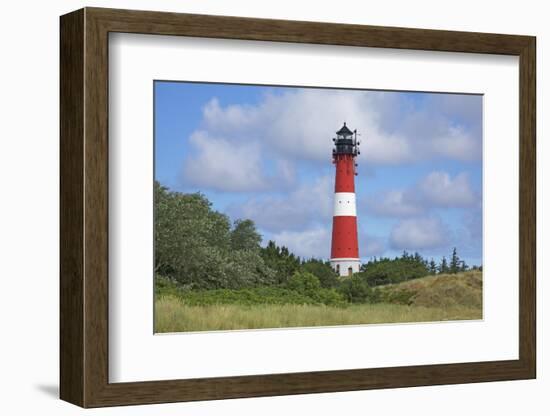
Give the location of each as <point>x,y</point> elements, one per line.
<point>199,248</point>
<point>384,270</point>
<point>199,252</point>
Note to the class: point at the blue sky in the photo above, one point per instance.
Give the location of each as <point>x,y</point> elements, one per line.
<point>264,153</point>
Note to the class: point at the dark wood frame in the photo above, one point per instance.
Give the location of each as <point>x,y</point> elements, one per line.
<point>84,209</point>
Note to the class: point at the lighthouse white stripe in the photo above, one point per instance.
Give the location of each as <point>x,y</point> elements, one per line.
<point>344,204</point>
<point>342,266</point>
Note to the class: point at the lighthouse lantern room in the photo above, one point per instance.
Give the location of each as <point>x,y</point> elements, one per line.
<point>344,257</point>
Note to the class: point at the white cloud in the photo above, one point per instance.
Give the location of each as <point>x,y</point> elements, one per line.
<point>457,144</point>
<point>440,126</point>
<point>297,209</point>
<point>419,233</point>
<point>226,166</point>
<point>232,118</point>
<point>301,123</point>
<point>394,203</point>
<point>439,189</point>
<point>237,143</point>
<point>314,242</point>
<point>436,190</point>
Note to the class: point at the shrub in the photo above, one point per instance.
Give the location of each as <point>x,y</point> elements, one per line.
<point>280,260</point>
<point>327,277</point>
<point>196,246</point>
<point>302,289</point>
<point>309,285</point>
<point>357,290</point>
<point>304,282</point>
<point>385,271</point>
<point>330,297</point>
<point>252,296</point>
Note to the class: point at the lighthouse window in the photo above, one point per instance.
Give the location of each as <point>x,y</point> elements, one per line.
<point>350,271</point>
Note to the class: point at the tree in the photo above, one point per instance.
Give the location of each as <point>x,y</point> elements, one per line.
<point>385,270</point>
<point>193,245</point>
<point>357,290</point>
<point>455,262</point>
<point>322,270</point>
<point>246,268</point>
<point>281,260</point>
<point>244,236</point>
<point>186,230</point>
<point>443,267</point>
<point>432,267</point>
<point>304,283</point>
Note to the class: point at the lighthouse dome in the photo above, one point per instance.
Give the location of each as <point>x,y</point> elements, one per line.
<point>344,131</point>
<point>345,143</point>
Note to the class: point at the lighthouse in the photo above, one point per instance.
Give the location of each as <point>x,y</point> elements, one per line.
<point>344,257</point>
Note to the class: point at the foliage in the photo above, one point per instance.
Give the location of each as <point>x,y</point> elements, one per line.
<point>244,236</point>
<point>302,289</point>
<point>281,260</point>
<point>309,285</point>
<point>454,266</point>
<point>271,295</point>
<point>322,270</point>
<point>357,290</point>
<point>449,291</point>
<point>304,282</point>
<point>384,271</point>
<point>443,266</point>
<point>432,267</point>
<point>196,247</point>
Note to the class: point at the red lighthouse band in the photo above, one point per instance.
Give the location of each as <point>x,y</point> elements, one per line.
<point>344,257</point>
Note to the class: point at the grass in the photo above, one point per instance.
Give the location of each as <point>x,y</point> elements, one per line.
<point>173,315</point>
<point>428,299</point>
<point>441,291</point>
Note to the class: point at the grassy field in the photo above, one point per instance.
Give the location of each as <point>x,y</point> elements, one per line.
<point>172,315</point>
<point>433,298</point>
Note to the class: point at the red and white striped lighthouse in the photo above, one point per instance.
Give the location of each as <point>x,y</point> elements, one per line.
<point>344,257</point>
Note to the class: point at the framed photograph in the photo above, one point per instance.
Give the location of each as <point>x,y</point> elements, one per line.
<point>255,207</point>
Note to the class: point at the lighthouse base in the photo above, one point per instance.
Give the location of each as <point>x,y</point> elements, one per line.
<point>345,267</point>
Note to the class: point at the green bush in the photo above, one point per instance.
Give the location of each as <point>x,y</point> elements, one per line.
<point>197,247</point>
<point>329,297</point>
<point>385,271</point>
<point>357,290</point>
<point>304,282</point>
<point>165,286</point>
<point>280,260</point>
<point>303,289</point>
<point>322,270</point>
<point>249,296</point>
<point>309,285</point>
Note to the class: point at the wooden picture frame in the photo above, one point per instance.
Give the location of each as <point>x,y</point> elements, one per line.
<point>84,207</point>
